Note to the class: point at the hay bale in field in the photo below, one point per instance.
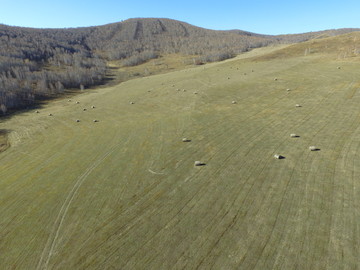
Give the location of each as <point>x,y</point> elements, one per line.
<point>37,111</point>
<point>277,156</point>
<point>293,135</point>
<point>186,140</point>
<point>297,105</point>
<point>95,120</point>
<point>50,114</point>
<point>131,102</point>
<point>199,163</point>
<point>77,120</point>
<point>275,79</point>
<point>195,93</point>
<point>184,90</point>
<point>288,89</point>
<point>84,109</point>
<point>338,67</point>
<point>313,148</point>
<point>69,100</point>
<point>228,78</point>
<point>77,102</point>
<point>233,102</point>
<point>93,107</point>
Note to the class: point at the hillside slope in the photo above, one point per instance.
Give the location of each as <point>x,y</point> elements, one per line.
<point>42,63</point>
<point>123,192</point>
<point>346,46</point>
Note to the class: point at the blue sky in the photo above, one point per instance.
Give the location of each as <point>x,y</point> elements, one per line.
<point>259,16</point>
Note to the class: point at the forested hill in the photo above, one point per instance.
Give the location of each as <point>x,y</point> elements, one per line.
<point>37,63</point>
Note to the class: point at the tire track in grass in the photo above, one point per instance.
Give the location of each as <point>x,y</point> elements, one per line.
<point>303,120</point>
<point>253,139</point>
<point>226,159</point>
<point>307,155</point>
<point>337,232</point>
<point>233,220</point>
<point>321,128</point>
<point>36,163</point>
<point>133,222</point>
<point>52,239</point>
<point>283,143</point>
<point>282,202</point>
<point>312,172</point>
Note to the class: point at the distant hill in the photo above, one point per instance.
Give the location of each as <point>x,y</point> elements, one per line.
<point>37,63</point>
<point>335,47</point>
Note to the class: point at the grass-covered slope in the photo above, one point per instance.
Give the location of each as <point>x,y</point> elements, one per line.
<point>346,46</point>
<point>123,193</point>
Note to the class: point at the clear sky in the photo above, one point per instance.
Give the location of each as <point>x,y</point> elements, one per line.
<point>259,16</point>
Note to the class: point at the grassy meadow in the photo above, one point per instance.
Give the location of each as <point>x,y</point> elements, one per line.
<point>123,192</point>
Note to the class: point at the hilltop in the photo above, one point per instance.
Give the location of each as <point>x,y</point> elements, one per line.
<point>42,63</point>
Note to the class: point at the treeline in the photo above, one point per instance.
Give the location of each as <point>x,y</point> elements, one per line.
<point>38,63</point>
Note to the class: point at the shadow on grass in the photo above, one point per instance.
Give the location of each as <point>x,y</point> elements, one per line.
<point>4,143</point>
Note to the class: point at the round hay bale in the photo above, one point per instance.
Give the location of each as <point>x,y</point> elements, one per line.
<point>195,93</point>
<point>93,107</point>
<point>95,120</point>
<point>277,156</point>
<point>275,79</point>
<point>293,135</point>
<point>186,140</point>
<point>297,105</point>
<point>77,120</point>
<point>50,114</point>
<point>313,148</point>
<point>84,109</point>
<point>77,102</point>
<point>37,111</point>
<point>338,67</point>
<point>228,78</point>
<point>199,163</point>
<point>131,102</point>
<point>288,89</point>
<point>184,90</point>
<point>233,102</point>
<point>69,100</point>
